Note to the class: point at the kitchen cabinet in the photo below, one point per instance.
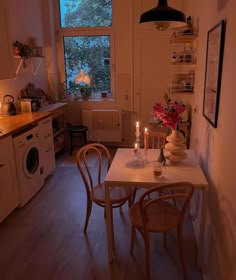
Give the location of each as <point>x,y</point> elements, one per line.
<point>47,157</point>
<point>9,194</point>
<point>58,111</point>
<point>6,66</point>
<point>59,128</point>
<point>183,53</point>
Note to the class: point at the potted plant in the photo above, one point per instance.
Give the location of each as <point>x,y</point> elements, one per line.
<point>85,91</point>
<point>84,81</point>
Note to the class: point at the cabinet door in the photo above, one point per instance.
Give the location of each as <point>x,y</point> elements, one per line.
<point>6,51</point>
<point>9,194</point>
<point>47,146</point>
<point>58,124</point>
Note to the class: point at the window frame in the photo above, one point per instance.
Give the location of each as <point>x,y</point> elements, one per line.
<point>84,31</point>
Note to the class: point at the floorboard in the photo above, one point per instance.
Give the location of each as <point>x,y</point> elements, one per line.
<point>44,240</point>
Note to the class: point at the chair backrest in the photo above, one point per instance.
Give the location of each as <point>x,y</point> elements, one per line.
<point>93,161</point>
<point>157,139</point>
<point>177,195</point>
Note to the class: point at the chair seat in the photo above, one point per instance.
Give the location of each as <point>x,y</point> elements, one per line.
<point>78,128</point>
<point>161,217</point>
<point>94,161</point>
<point>160,209</point>
<point>117,194</point>
<point>75,130</point>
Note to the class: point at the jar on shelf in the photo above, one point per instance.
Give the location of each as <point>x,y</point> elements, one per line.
<point>180,57</point>
<point>190,80</point>
<point>188,53</point>
<point>174,57</point>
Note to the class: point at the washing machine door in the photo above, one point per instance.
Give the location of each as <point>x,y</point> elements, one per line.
<point>31,163</point>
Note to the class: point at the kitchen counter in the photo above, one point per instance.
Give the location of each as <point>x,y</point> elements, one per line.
<point>10,125</point>
<point>52,107</point>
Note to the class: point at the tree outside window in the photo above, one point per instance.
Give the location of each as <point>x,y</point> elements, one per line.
<point>89,49</point>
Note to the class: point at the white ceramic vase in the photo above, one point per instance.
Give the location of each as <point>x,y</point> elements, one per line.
<point>175,148</point>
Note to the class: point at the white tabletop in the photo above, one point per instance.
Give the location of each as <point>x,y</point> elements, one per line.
<point>125,171</point>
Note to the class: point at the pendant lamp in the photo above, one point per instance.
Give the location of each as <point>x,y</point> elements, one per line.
<point>164,17</point>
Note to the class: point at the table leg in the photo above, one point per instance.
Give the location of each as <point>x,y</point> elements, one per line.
<point>109,224</point>
<point>201,261</point>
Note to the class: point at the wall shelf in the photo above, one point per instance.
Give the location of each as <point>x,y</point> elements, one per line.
<point>183,38</point>
<point>35,62</point>
<point>182,64</point>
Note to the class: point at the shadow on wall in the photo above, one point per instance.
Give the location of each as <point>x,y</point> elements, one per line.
<point>222,4</point>
<point>221,246</point>
<point>222,242</point>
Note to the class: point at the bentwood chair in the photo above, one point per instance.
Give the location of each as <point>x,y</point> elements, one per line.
<point>161,214</point>
<point>93,161</point>
<point>157,139</point>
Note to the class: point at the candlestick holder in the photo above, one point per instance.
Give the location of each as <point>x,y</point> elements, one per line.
<point>137,134</point>
<point>139,159</point>
<point>146,156</point>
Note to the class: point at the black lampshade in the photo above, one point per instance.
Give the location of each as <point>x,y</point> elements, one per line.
<point>164,17</point>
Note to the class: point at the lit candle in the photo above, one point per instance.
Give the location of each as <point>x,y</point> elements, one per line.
<point>137,127</point>
<point>146,138</point>
<point>135,147</point>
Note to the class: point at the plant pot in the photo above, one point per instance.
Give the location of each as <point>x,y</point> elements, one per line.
<point>85,97</point>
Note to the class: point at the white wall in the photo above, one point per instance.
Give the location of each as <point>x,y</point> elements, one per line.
<point>24,22</point>
<point>142,56</point>
<point>215,146</point>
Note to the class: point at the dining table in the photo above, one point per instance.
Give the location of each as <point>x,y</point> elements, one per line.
<point>132,171</point>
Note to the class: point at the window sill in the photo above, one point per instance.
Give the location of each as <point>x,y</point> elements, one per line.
<point>89,100</point>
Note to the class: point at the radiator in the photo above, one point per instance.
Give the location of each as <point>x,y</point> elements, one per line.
<point>103,125</point>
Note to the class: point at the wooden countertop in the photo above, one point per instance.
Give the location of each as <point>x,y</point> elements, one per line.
<point>10,125</point>
<point>52,107</point>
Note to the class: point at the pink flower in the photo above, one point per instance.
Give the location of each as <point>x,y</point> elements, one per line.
<point>170,115</point>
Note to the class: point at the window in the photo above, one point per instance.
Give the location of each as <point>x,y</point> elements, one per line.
<point>87,39</point>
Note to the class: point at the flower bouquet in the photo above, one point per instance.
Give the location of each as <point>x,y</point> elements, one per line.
<point>170,116</point>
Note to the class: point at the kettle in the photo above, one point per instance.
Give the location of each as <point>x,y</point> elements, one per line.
<point>7,107</point>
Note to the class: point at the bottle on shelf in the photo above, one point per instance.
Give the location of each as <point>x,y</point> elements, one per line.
<point>174,57</point>
<point>190,80</point>
<point>188,53</point>
<point>189,28</point>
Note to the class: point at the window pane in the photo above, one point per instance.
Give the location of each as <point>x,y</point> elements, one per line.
<point>85,13</point>
<point>91,54</point>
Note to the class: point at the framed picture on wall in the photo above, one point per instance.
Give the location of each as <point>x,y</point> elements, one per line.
<point>214,59</point>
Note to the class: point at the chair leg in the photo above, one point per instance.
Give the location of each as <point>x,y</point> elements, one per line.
<point>71,143</point>
<point>112,227</point>
<point>147,253</point>
<point>164,236</point>
<point>181,252</point>
<point>85,137</point>
<point>88,213</point>
<point>132,199</point>
<point>133,234</point>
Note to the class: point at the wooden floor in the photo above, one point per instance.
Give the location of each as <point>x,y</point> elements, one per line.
<point>44,240</point>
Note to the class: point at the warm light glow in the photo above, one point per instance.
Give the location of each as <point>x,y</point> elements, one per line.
<point>137,129</point>
<point>83,78</point>
<point>161,25</point>
<point>146,144</point>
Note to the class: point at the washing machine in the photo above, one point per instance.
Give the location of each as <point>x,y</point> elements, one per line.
<point>28,166</point>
